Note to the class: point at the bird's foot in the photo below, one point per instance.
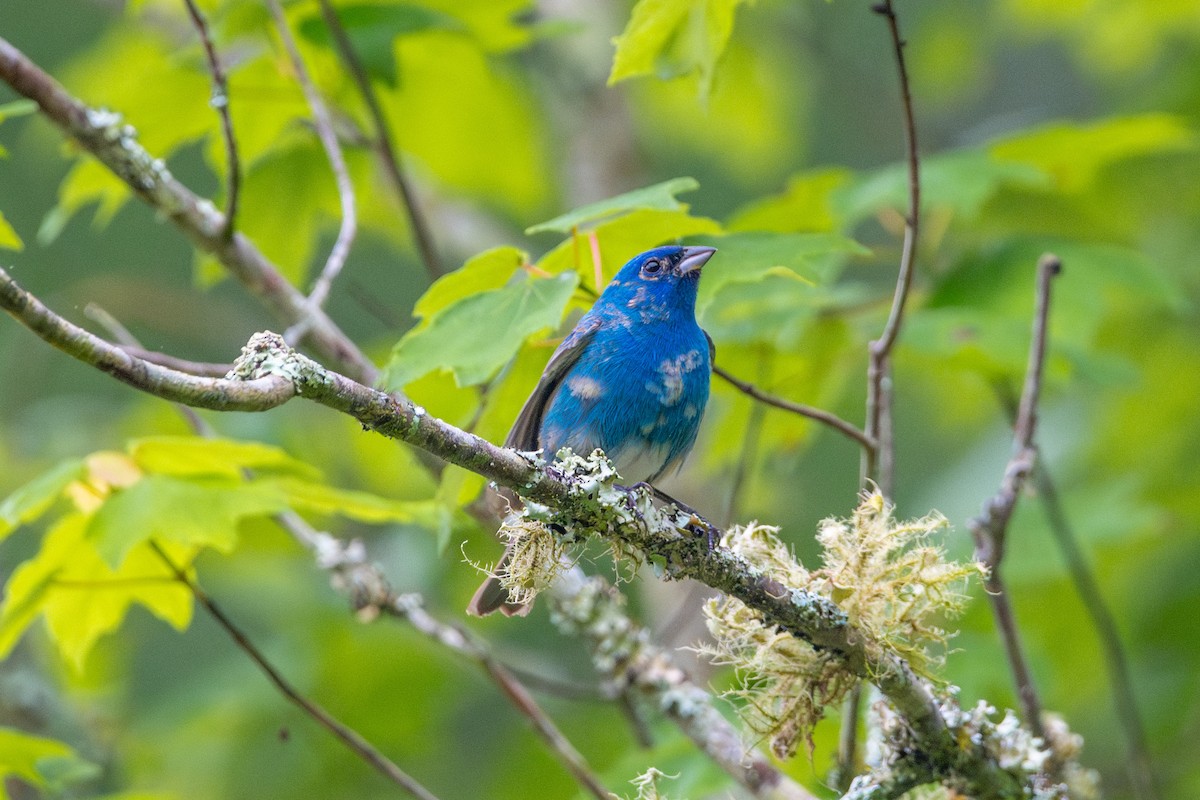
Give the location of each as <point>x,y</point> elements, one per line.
<point>697,524</point>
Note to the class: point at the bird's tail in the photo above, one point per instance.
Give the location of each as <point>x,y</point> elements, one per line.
<point>491,596</point>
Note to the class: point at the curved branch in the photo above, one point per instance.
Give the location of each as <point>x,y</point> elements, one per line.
<point>220,101</point>
<point>218,394</point>
<point>383,141</point>
<point>819,415</point>
<point>348,736</point>
<point>337,162</point>
<point>581,502</point>
<point>114,144</point>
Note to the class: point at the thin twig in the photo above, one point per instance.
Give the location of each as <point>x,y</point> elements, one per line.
<point>371,593</point>
<point>114,143</point>
<point>351,738</point>
<point>990,528</point>
<point>846,765</point>
<point>220,101</point>
<point>337,162</point>
<point>879,457</point>
<point>383,142</point>
<point>409,607</point>
<point>816,414</point>
<point>879,369</point>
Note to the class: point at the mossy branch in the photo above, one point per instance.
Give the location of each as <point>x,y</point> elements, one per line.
<point>578,493</point>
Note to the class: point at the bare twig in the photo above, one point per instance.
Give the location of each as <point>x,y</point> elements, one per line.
<point>990,528</point>
<point>879,458</point>
<point>846,764</point>
<point>816,414</point>
<point>220,101</point>
<point>371,593</point>
<point>351,738</point>
<point>383,142</point>
<point>879,370</point>
<point>278,373</point>
<point>337,162</point>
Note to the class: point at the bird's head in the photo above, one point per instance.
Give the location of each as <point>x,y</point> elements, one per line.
<point>665,276</point>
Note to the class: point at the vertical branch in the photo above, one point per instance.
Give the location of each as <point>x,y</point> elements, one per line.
<point>879,459</point>
<point>351,738</point>
<point>383,142</point>
<point>991,527</point>
<point>220,101</point>
<point>337,162</point>
<point>879,464</point>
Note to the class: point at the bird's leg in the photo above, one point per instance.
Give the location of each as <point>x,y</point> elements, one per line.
<point>710,531</point>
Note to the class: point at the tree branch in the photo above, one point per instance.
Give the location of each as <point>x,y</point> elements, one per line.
<point>115,145</point>
<point>337,162</point>
<point>348,736</point>
<point>383,142</point>
<point>879,370</point>
<point>585,502</point>
<point>220,101</point>
<point>371,593</point>
<point>817,414</point>
<point>990,528</point>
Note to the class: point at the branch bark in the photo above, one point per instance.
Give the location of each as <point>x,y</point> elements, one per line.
<point>115,145</point>
<point>991,527</point>
<point>278,373</point>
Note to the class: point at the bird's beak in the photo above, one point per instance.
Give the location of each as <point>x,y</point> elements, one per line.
<point>694,258</point>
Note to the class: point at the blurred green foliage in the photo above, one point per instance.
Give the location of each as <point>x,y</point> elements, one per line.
<point>1044,125</point>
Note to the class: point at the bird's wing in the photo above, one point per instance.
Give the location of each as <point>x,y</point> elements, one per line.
<point>524,433</point>
<point>712,349</point>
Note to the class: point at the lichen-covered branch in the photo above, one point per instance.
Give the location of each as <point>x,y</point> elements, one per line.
<point>104,135</point>
<point>578,494</point>
<point>624,653</point>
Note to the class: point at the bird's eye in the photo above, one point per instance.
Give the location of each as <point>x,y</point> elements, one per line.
<point>652,266</point>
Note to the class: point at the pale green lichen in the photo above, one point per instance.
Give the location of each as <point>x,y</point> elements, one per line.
<point>1049,768</point>
<point>891,583</point>
<point>534,558</point>
<point>647,784</point>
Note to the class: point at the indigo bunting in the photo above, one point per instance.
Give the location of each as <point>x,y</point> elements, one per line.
<point>630,379</point>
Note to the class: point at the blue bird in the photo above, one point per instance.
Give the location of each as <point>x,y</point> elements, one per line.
<point>631,379</point>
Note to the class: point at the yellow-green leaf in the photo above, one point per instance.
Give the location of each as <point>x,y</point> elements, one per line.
<point>805,205</point>
<point>23,754</point>
<point>1073,154</point>
<point>362,506</point>
<point>659,197</point>
<point>33,499</point>
<point>201,511</point>
<point>9,240</point>
<point>674,37</point>
<point>83,598</point>
<point>490,269</point>
<point>195,455</point>
<point>476,336</point>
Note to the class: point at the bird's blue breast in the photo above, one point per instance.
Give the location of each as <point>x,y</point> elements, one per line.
<point>638,390</point>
